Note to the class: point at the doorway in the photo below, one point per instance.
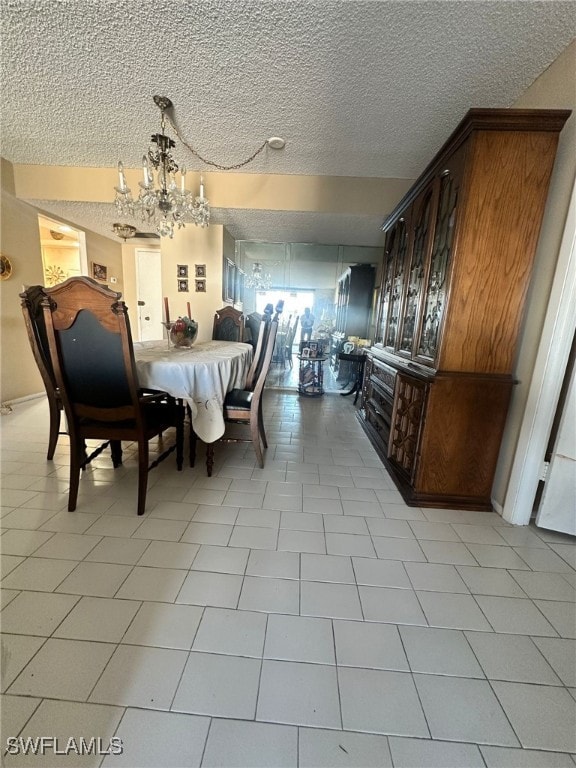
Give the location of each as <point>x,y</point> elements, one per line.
<point>63,251</point>
<point>295,301</point>
<point>149,293</point>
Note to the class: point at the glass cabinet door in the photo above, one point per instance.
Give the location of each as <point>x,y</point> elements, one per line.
<point>420,226</point>
<point>436,288</point>
<point>396,293</point>
<point>386,287</point>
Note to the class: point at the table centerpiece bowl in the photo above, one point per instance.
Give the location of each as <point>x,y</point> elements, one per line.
<point>183,332</point>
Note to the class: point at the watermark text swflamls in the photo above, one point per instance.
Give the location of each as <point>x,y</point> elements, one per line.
<point>43,745</point>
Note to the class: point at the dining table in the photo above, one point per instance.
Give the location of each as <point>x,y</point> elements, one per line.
<point>201,375</point>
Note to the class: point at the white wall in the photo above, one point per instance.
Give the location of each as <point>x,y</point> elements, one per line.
<point>553,89</point>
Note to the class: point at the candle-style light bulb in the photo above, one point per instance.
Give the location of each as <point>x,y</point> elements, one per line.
<point>201,188</point>
<point>121,177</point>
<point>183,179</point>
<point>145,171</point>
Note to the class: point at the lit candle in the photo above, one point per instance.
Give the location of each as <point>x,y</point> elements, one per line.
<point>166,310</point>
<point>201,188</point>
<point>183,179</point>
<point>121,178</point>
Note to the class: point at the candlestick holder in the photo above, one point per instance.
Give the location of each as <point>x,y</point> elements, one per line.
<point>167,326</point>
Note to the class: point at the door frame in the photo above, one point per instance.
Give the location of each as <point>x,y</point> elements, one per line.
<point>544,391</point>
<point>157,252</point>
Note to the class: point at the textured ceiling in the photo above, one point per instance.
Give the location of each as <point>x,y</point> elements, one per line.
<point>356,88</point>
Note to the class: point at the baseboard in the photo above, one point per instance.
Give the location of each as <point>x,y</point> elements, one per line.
<point>497,507</point>
<point>18,400</point>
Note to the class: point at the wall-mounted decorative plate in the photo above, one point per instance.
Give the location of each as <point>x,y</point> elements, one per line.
<point>5,267</point>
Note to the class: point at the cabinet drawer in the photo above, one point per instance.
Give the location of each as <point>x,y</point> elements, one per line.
<point>380,423</point>
<point>378,407</point>
<point>384,376</point>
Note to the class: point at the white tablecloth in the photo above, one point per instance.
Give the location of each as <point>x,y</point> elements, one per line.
<point>201,374</point>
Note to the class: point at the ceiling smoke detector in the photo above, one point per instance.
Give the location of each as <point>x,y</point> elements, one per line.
<point>275,142</point>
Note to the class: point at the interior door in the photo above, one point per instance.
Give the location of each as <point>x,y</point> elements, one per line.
<point>557,510</point>
<point>149,294</point>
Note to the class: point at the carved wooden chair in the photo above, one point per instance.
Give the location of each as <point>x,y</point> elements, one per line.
<point>290,336</point>
<point>228,325</point>
<point>259,352</point>
<point>88,333</point>
<point>244,406</point>
<point>252,326</point>
<point>31,302</point>
<point>255,380</point>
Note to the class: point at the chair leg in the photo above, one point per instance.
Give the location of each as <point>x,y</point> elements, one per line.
<point>77,453</point>
<point>209,458</point>
<point>116,453</point>
<point>142,475</point>
<point>181,412</point>
<point>191,437</point>
<point>255,433</point>
<point>193,441</point>
<point>55,413</point>
<point>261,425</point>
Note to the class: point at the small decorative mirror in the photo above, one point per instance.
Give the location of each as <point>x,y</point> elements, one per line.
<point>5,267</point>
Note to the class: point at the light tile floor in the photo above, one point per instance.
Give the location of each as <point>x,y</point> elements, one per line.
<point>296,615</point>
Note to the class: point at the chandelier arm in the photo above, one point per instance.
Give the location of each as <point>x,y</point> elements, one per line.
<point>210,162</point>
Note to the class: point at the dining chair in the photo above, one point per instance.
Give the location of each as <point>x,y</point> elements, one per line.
<point>228,325</point>
<point>259,352</point>
<point>91,350</point>
<point>31,302</point>
<point>252,328</point>
<point>290,342</point>
<point>244,406</point>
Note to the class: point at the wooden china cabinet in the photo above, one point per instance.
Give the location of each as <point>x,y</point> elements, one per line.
<point>457,262</point>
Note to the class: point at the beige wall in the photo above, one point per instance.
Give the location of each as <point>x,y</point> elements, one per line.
<point>331,194</point>
<point>20,241</point>
<point>191,246</point>
<point>554,89</point>
<point>108,252</point>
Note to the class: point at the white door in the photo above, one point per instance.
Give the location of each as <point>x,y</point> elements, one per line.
<point>557,509</point>
<point>149,294</point>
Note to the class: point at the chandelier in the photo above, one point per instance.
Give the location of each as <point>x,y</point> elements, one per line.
<point>163,200</point>
<point>259,280</point>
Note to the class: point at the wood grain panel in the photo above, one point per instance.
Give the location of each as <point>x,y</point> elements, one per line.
<point>509,174</point>
<point>461,436</point>
<point>74,292</point>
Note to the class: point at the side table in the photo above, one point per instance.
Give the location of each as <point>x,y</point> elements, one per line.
<point>358,360</point>
<point>311,376</point>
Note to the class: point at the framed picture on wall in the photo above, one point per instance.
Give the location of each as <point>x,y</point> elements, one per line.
<point>183,286</point>
<point>182,270</point>
<point>200,270</point>
<point>99,272</point>
<point>200,286</point>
